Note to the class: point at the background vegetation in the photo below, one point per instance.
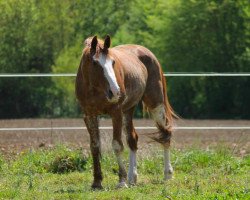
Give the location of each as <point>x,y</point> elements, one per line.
<point>186,35</point>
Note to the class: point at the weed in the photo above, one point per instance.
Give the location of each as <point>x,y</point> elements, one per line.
<point>67,164</point>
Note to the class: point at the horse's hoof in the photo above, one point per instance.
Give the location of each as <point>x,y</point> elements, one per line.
<point>132,179</point>
<point>168,175</point>
<point>97,186</point>
<point>122,185</point>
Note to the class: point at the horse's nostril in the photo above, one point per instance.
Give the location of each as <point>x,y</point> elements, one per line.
<point>110,94</point>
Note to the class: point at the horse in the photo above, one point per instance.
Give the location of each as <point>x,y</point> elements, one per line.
<point>112,81</point>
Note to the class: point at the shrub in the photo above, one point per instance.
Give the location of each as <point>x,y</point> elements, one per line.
<point>67,163</point>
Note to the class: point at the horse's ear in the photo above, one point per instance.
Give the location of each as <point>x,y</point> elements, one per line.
<point>107,42</point>
<point>94,43</point>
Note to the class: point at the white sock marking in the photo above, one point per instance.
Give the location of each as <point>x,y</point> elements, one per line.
<point>168,169</point>
<point>132,172</point>
<point>117,149</point>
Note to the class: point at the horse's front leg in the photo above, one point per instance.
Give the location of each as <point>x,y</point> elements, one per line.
<point>132,139</point>
<point>95,146</point>
<point>118,146</point>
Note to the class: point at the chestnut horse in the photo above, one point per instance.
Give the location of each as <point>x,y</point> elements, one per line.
<point>112,81</point>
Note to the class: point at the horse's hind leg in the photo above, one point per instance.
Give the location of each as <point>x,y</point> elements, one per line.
<point>163,136</point>
<point>132,139</point>
<point>155,98</point>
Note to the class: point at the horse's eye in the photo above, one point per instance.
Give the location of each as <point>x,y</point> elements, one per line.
<point>113,63</point>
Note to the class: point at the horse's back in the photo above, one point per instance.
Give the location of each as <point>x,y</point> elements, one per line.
<point>154,91</point>
<point>146,57</point>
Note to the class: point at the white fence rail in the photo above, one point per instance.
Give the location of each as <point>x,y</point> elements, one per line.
<point>138,128</point>
<point>172,74</point>
<point>183,74</point>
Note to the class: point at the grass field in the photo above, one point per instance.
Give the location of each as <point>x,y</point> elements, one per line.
<point>65,173</point>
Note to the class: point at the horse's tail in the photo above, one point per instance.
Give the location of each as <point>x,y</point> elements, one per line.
<point>170,114</point>
<point>164,134</point>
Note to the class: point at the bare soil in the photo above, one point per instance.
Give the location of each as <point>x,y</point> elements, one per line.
<point>13,142</point>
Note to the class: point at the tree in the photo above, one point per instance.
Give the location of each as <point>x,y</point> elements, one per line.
<point>29,42</point>
<point>207,36</point>
<point>185,35</point>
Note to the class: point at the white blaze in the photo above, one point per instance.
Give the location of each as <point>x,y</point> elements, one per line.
<point>109,73</point>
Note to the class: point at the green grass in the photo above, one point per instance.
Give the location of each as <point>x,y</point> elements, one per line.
<point>64,173</point>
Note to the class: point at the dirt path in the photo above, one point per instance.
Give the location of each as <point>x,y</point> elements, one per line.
<point>12,142</point>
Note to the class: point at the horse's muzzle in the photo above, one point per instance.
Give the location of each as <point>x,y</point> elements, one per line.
<point>113,97</point>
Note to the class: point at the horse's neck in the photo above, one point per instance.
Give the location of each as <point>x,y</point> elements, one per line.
<point>86,79</point>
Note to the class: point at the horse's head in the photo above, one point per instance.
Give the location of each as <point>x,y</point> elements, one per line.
<point>101,67</point>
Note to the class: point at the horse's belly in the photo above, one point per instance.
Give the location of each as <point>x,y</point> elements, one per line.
<point>135,85</point>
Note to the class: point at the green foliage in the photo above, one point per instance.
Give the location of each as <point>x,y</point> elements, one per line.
<point>212,38</point>
<point>29,42</point>
<point>67,62</point>
<point>185,35</point>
